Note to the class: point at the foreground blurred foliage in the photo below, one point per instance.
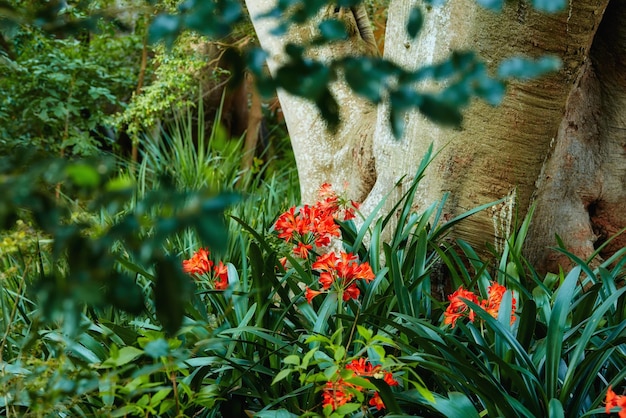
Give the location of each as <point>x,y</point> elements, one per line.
<point>99,318</point>
<point>84,255</point>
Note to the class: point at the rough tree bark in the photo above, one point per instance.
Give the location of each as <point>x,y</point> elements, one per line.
<point>525,149</point>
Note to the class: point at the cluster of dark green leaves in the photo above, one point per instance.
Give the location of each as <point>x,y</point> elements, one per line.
<point>86,269</point>
<point>58,17</point>
<point>463,74</point>
<point>59,87</point>
<point>214,19</point>
<point>59,93</point>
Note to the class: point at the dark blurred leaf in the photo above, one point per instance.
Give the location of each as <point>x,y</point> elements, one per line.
<point>491,4</point>
<point>328,108</point>
<point>294,51</point>
<point>165,28</point>
<point>440,112</point>
<point>524,68</point>
<point>171,292</point>
<point>306,10</point>
<point>236,66</point>
<point>400,101</point>
<point>490,90</point>
<point>349,3</point>
<point>256,59</point>
<point>333,30</point>
<point>157,348</point>
<point>416,21</point>
<point>396,119</point>
<point>304,78</point>
<point>125,294</point>
<point>365,78</point>
<point>214,19</point>
<point>550,6</point>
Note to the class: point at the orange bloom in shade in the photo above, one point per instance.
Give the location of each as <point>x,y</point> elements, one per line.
<point>283,262</point>
<point>377,402</point>
<point>326,280</point>
<point>362,367</point>
<point>325,262</point>
<point>221,276</point>
<point>342,271</point>
<point>315,224</point>
<point>326,191</point>
<point>458,307</point>
<point>340,392</point>
<point>351,292</point>
<point>309,294</point>
<point>390,380</point>
<point>615,401</point>
<point>334,394</point>
<point>302,250</point>
<point>199,263</point>
<point>494,299</point>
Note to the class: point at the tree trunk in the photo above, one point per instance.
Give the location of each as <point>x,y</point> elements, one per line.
<point>498,152</point>
<point>581,194</point>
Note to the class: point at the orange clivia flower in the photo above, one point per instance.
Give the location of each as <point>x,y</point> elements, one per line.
<point>287,224</point>
<point>342,272</point>
<point>458,307</point>
<point>199,263</point>
<point>362,367</point>
<point>334,394</point>
<point>339,392</point>
<point>221,276</point>
<point>283,262</point>
<point>314,224</point>
<point>351,292</point>
<point>309,294</point>
<point>325,262</point>
<point>390,380</point>
<point>615,401</point>
<point>492,304</point>
<point>377,402</point>
<point>302,250</point>
<point>326,280</point>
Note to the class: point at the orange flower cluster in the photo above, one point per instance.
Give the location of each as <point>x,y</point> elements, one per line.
<point>200,264</point>
<point>340,392</point>
<point>340,272</point>
<point>615,401</point>
<point>314,225</point>
<point>458,307</point>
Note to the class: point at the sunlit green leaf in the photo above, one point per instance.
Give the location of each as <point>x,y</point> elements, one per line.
<point>83,175</point>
